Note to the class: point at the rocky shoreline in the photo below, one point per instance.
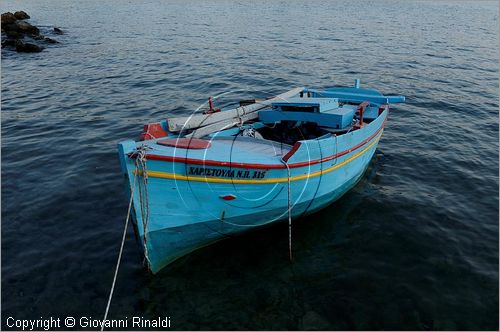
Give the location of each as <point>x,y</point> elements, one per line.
<point>21,36</point>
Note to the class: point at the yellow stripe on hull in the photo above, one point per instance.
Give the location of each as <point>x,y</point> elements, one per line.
<point>173,176</point>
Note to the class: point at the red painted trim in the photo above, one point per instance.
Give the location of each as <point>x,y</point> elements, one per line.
<point>228,197</point>
<point>186,143</point>
<point>152,131</point>
<point>382,108</point>
<point>260,166</point>
<point>290,153</point>
<point>361,108</point>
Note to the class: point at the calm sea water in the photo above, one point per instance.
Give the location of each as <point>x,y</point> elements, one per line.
<point>413,246</point>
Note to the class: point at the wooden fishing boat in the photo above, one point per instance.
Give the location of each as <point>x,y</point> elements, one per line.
<point>199,179</point>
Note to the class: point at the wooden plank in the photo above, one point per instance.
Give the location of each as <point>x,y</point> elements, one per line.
<point>200,120</point>
<point>221,125</point>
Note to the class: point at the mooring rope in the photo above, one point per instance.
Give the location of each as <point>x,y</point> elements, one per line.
<point>289,212</point>
<point>141,167</point>
<point>120,254</point>
<point>289,215</point>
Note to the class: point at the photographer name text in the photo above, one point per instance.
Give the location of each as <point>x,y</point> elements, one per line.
<point>51,323</point>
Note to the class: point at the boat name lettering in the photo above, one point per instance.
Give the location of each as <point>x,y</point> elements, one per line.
<point>227,173</point>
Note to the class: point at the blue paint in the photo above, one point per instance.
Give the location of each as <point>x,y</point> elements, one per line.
<point>351,94</point>
<point>186,214</point>
<point>340,118</point>
<point>424,217</point>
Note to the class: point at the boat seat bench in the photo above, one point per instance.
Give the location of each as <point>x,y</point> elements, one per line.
<point>340,118</point>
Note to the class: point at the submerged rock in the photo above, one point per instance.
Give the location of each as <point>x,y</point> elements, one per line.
<point>13,34</point>
<point>8,42</point>
<point>27,47</point>
<point>21,15</point>
<point>14,29</point>
<point>50,40</point>
<point>8,18</point>
<point>27,28</point>
<point>313,321</point>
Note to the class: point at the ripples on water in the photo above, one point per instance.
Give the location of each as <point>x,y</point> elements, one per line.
<point>413,246</point>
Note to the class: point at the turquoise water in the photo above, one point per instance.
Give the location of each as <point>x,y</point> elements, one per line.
<point>413,246</point>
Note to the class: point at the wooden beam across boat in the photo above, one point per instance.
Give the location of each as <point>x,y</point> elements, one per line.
<point>249,111</point>
<point>358,97</point>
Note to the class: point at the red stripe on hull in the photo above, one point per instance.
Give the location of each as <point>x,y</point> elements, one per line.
<point>259,166</point>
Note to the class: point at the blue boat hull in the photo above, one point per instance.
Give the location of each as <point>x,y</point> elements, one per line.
<point>168,244</point>
<point>191,205</point>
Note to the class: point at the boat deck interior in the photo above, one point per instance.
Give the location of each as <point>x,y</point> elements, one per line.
<point>290,122</point>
